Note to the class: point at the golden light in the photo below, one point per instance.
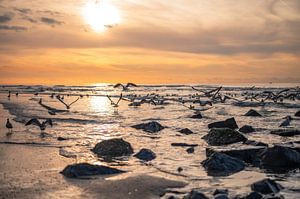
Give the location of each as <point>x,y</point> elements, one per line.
<point>101,15</point>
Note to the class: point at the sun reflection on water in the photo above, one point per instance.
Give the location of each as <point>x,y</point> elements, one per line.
<point>100,104</point>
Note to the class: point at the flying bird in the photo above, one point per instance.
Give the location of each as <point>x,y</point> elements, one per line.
<point>112,102</point>
<point>67,105</point>
<point>125,88</point>
<point>9,126</point>
<point>42,125</point>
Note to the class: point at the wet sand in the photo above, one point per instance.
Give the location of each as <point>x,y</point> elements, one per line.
<point>33,172</point>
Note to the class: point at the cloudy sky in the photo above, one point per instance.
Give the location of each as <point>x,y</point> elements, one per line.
<point>149,41</point>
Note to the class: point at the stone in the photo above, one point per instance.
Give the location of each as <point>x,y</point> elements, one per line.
<point>194,194</point>
<point>286,132</point>
<point>253,195</point>
<point>220,191</point>
<point>186,131</point>
<point>221,196</point>
<point>190,150</point>
<point>274,196</point>
<point>197,116</point>
<point>150,127</point>
<point>84,169</point>
<point>246,129</point>
<point>229,123</point>
<point>219,164</point>
<point>279,158</point>
<point>248,155</point>
<point>266,186</point>
<point>297,114</point>
<point>145,155</point>
<point>61,138</point>
<point>184,144</point>
<point>253,113</point>
<point>113,148</point>
<point>223,136</point>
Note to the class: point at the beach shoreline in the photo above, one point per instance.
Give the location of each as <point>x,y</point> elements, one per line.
<point>33,172</point>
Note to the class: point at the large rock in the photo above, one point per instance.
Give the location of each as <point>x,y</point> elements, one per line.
<point>279,158</point>
<point>84,169</point>
<point>223,136</point>
<point>229,123</point>
<point>145,155</point>
<point>266,186</point>
<point>249,154</point>
<point>219,164</point>
<point>151,127</point>
<point>194,194</point>
<point>253,195</point>
<point>246,129</point>
<point>253,113</point>
<point>286,132</point>
<point>113,148</point>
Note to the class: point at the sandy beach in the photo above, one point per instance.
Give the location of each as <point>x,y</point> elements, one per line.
<point>33,172</point>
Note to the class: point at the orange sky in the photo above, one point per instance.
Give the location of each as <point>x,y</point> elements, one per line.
<point>179,41</point>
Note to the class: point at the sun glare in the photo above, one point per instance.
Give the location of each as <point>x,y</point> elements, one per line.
<point>101,15</point>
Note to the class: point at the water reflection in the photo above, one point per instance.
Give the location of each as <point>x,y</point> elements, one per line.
<point>100,104</point>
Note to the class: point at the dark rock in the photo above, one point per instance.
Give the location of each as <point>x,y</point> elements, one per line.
<point>223,136</point>
<point>220,191</point>
<point>253,113</point>
<point>85,169</point>
<point>186,131</point>
<point>145,154</point>
<point>151,127</point>
<point>184,144</point>
<point>274,196</point>
<point>249,155</point>
<point>221,196</point>
<point>254,195</point>
<point>179,169</point>
<point>229,123</point>
<point>297,114</point>
<point>113,148</point>
<point>266,186</point>
<point>246,129</point>
<point>219,164</point>
<point>279,158</point>
<point>255,143</point>
<point>61,139</point>
<point>197,116</point>
<point>286,132</point>
<point>190,150</point>
<point>194,194</point>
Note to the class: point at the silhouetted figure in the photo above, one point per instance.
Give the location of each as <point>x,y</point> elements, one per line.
<point>9,126</point>
<point>42,125</point>
<point>125,88</point>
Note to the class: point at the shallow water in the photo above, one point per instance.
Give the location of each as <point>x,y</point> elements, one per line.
<point>93,119</point>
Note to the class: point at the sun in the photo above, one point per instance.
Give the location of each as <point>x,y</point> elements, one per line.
<point>101,15</point>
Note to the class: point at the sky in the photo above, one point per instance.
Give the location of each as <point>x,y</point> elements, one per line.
<point>149,41</point>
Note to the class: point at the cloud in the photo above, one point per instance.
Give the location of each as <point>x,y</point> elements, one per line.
<point>29,19</point>
<point>51,21</point>
<point>15,28</point>
<point>23,10</point>
<point>6,18</point>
